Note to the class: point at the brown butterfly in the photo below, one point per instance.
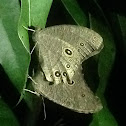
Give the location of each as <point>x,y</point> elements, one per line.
<point>61,51</point>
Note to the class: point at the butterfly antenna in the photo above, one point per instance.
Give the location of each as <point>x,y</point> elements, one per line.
<point>28,29</point>
<point>32,79</point>
<point>33,92</point>
<point>44,108</point>
<point>35,43</point>
<point>33,48</point>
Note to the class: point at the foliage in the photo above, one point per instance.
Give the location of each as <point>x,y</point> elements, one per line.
<point>15,57</point>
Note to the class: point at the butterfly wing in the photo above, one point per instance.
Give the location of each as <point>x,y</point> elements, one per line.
<point>67,46</point>
<point>76,96</point>
<point>49,53</point>
<point>62,49</point>
<point>54,60</point>
<point>85,40</point>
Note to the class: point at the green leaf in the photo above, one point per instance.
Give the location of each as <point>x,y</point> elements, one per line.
<point>106,60</point>
<point>7,118</point>
<point>103,118</point>
<point>75,11</point>
<point>24,22</point>
<point>33,13</point>
<point>13,56</point>
<point>39,12</point>
<point>118,27</point>
<point>122,22</point>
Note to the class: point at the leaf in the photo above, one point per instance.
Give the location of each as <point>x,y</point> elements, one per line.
<point>103,118</point>
<point>24,22</point>
<point>75,11</point>
<point>122,22</point>
<point>7,117</point>
<point>106,60</point>
<point>13,56</point>
<point>118,24</point>
<point>39,12</point>
<point>33,13</point>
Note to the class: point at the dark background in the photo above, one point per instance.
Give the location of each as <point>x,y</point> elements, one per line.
<point>115,91</point>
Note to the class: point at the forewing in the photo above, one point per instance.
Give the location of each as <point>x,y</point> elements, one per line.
<point>86,41</point>
<point>53,54</point>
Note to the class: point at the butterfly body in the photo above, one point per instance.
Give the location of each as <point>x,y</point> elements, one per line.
<point>61,51</point>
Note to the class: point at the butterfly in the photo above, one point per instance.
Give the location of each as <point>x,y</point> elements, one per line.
<point>61,50</point>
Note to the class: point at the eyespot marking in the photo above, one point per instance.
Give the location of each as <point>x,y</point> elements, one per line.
<point>71,83</point>
<point>81,44</point>
<point>83,95</point>
<point>57,74</point>
<point>64,74</point>
<point>68,65</point>
<point>68,51</point>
